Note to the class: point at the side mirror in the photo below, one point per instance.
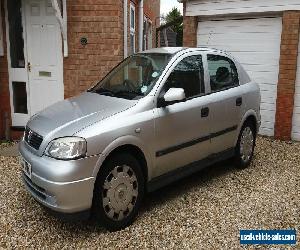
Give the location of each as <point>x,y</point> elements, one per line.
<point>174,94</point>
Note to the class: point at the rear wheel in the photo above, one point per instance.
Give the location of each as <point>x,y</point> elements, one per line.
<point>245,145</point>
<point>118,192</point>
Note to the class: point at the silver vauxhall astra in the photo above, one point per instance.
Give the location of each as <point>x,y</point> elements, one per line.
<point>158,116</point>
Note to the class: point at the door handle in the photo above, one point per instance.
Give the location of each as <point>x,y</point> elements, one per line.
<point>29,66</point>
<point>239,101</point>
<point>204,112</point>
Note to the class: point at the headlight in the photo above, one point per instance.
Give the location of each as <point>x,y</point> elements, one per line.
<point>67,148</point>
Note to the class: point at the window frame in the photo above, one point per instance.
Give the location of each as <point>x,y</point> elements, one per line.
<point>202,78</point>
<point>147,33</point>
<point>145,24</point>
<point>208,73</point>
<point>132,27</point>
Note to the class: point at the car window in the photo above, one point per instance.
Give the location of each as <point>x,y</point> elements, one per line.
<point>223,73</point>
<point>188,74</point>
<point>133,78</point>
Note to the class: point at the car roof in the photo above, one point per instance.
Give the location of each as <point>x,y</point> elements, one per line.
<point>175,50</point>
<point>164,50</point>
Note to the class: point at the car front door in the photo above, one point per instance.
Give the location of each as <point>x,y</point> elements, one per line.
<point>182,129</point>
<point>226,102</point>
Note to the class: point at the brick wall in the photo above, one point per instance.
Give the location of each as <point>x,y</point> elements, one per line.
<point>152,9</point>
<point>101,22</point>
<point>4,85</point>
<point>287,74</point>
<point>190,25</point>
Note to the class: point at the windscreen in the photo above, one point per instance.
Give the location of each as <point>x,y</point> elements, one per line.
<point>134,77</point>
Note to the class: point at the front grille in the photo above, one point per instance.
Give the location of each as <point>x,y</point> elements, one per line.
<point>33,139</point>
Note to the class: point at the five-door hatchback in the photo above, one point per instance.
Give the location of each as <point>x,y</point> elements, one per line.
<point>158,116</point>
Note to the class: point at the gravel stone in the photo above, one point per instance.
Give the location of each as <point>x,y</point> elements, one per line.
<point>204,211</point>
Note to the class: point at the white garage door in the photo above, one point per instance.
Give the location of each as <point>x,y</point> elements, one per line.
<point>296,116</point>
<point>256,44</point>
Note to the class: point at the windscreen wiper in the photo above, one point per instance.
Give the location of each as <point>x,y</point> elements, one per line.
<point>103,91</point>
<point>127,92</point>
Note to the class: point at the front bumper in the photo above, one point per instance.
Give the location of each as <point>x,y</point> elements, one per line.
<point>63,186</point>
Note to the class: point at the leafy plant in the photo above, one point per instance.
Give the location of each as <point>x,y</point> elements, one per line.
<point>177,27</point>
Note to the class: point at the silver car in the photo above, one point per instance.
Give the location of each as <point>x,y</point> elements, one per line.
<point>158,116</point>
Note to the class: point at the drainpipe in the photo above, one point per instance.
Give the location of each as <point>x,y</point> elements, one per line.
<point>141,24</point>
<point>65,19</point>
<point>125,28</point>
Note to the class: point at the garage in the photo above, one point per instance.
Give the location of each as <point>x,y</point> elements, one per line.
<point>264,37</point>
<point>296,115</point>
<point>255,42</point>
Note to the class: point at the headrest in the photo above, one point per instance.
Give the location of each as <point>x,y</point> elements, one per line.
<point>222,74</point>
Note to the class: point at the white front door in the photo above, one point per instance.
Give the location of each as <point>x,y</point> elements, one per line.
<point>44,50</point>
<point>39,75</point>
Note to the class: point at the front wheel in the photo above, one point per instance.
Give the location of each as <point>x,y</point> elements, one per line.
<point>118,192</point>
<point>245,146</point>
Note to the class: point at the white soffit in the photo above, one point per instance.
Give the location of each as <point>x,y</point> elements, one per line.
<point>225,7</point>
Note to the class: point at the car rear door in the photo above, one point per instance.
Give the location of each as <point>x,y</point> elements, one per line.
<point>182,129</point>
<point>226,102</point>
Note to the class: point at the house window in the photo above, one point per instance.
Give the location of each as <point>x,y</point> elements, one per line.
<point>132,28</point>
<point>16,33</point>
<point>1,33</point>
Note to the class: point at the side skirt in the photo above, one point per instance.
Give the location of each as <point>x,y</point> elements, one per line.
<point>187,170</point>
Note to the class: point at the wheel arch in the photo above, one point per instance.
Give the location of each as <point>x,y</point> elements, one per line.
<point>127,144</point>
<point>252,117</point>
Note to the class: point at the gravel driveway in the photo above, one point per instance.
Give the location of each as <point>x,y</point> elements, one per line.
<point>203,211</point>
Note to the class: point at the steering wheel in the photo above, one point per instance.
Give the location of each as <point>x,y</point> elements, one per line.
<point>129,84</point>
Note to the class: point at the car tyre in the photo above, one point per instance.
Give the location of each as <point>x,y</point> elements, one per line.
<point>245,146</point>
<point>118,191</point>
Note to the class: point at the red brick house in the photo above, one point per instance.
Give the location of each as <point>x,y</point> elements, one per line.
<point>264,37</point>
<point>54,49</point>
